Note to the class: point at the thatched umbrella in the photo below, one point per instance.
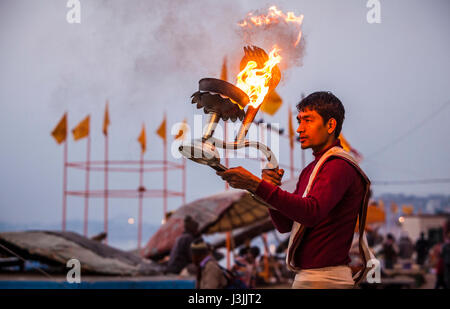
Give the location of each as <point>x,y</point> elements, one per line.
<point>221,212</point>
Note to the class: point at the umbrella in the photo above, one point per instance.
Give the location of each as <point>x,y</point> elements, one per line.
<point>217,213</point>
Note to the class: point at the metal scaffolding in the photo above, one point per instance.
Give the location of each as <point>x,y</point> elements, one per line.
<point>140,167</point>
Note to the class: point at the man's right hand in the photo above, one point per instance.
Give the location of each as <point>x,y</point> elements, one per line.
<point>273,176</point>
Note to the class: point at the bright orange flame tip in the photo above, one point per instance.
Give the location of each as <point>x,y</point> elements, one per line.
<point>255,82</point>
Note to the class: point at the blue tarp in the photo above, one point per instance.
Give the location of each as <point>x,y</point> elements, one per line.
<point>168,284</point>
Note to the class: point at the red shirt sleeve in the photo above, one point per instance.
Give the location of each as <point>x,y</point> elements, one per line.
<point>330,185</point>
<point>281,222</point>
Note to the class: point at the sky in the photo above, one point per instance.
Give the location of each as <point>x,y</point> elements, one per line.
<point>146,58</point>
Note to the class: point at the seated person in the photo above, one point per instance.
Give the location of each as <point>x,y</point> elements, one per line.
<point>209,273</point>
<point>247,266</point>
<point>180,255</point>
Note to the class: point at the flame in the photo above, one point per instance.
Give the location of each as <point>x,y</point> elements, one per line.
<point>255,82</point>
<point>274,16</point>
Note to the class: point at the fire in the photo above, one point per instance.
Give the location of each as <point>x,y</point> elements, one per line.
<point>255,81</point>
<point>274,16</point>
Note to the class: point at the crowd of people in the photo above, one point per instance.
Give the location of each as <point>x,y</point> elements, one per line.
<point>191,255</point>
<point>430,257</point>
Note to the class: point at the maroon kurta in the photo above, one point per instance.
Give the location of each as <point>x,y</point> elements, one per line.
<point>328,212</point>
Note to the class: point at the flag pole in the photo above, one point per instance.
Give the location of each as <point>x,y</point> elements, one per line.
<point>266,256</point>
<point>165,178</point>
<point>141,190</point>
<point>105,218</point>
<point>291,154</point>
<point>224,76</point>
<point>225,138</point>
<point>228,245</point>
<point>86,196</point>
<point>64,214</point>
<point>291,143</point>
<point>184,180</point>
<point>303,151</point>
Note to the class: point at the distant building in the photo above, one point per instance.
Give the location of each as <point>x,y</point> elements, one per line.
<point>431,225</point>
<point>432,206</point>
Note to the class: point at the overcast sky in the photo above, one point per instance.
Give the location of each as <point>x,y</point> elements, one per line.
<point>146,57</point>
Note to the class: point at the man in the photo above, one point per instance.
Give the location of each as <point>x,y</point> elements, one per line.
<point>405,246</point>
<point>322,212</point>
<point>247,266</point>
<point>445,255</point>
<point>422,248</point>
<point>389,252</point>
<point>180,255</point>
<point>209,273</point>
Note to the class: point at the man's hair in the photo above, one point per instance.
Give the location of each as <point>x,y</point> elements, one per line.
<point>327,105</point>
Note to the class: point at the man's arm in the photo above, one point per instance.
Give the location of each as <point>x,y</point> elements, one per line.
<point>281,223</point>
<point>329,187</point>
<point>240,178</point>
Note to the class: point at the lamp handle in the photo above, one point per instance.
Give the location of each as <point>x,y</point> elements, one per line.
<point>270,156</point>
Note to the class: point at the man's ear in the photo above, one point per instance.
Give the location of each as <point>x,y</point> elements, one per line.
<point>331,126</point>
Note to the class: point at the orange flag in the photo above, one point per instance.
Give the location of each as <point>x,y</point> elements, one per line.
<point>142,140</point>
<point>59,133</point>
<point>224,72</point>
<point>374,215</point>
<point>344,143</point>
<point>106,120</point>
<point>272,102</point>
<point>291,129</point>
<point>346,146</point>
<point>381,204</point>
<point>394,208</point>
<point>182,131</point>
<point>407,209</point>
<point>82,129</point>
<point>162,129</point>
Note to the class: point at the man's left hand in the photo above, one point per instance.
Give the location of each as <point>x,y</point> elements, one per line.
<point>240,178</point>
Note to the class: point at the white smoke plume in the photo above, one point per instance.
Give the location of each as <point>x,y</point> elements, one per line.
<point>268,27</point>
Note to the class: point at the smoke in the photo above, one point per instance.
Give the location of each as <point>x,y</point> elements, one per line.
<point>135,52</point>
<point>265,28</point>
<point>151,51</point>
<point>189,38</point>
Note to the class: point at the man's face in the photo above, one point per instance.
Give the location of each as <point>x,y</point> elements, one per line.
<point>313,132</point>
